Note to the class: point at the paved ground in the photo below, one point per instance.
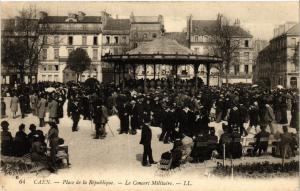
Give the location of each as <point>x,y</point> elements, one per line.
<point>118,157</point>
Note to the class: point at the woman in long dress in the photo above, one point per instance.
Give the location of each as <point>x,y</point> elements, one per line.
<point>14,104</point>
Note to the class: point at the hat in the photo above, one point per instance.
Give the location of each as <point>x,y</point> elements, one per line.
<point>156,99</point>
<point>132,102</point>
<point>4,125</point>
<point>32,127</point>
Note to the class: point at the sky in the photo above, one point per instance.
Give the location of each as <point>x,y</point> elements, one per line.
<point>260,18</point>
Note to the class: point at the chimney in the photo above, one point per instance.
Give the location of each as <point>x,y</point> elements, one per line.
<point>237,22</point>
<point>104,17</point>
<point>117,16</point>
<point>131,17</point>
<point>161,19</point>
<point>81,15</point>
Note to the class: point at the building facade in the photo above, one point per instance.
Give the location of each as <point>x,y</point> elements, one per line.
<point>259,45</point>
<point>145,29</point>
<point>278,63</point>
<point>10,74</point>
<point>201,41</point>
<point>67,34</point>
<point>115,40</point>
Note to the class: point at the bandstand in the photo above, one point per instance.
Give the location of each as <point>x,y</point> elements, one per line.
<point>160,51</point>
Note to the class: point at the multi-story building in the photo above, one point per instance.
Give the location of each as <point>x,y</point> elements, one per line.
<point>277,64</point>
<point>200,40</point>
<point>67,34</point>
<point>10,74</point>
<point>115,40</point>
<point>259,45</point>
<point>145,28</point>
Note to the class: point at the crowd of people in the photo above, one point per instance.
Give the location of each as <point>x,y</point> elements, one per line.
<point>179,109</point>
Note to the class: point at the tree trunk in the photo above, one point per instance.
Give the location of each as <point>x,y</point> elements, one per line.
<point>77,77</point>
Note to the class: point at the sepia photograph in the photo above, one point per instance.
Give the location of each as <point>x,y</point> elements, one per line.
<point>149,95</point>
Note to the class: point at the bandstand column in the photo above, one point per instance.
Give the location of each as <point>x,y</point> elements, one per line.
<point>196,67</point>
<point>115,65</point>
<point>154,70</point>
<point>207,74</point>
<point>123,75</point>
<point>145,75</point>
<point>134,68</point>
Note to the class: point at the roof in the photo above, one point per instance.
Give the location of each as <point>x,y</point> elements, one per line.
<point>161,45</point>
<point>206,27</point>
<point>202,27</point>
<point>294,30</point>
<point>180,37</point>
<point>117,25</point>
<point>146,19</point>
<point>62,19</point>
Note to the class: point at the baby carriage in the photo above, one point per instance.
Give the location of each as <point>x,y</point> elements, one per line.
<point>171,159</point>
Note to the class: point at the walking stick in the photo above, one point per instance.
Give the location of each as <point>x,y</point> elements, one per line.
<point>110,129</point>
<point>223,154</point>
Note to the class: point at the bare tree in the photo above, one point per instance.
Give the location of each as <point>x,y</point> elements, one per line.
<point>225,43</point>
<point>29,32</point>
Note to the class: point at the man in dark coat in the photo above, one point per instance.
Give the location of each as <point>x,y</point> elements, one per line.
<point>186,122</point>
<point>75,113</point>
<point>136,116</point>
<point>236,119</point>
<point>261,143</point>
<point>22,104</point>
<point>100,119</point>
<point>146,137</point>
<point>21,143</point>
<point>6,140</point>
<point>168,125</point>
<point>124,111</point>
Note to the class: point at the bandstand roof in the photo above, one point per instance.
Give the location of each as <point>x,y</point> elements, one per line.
<point>162,50</point>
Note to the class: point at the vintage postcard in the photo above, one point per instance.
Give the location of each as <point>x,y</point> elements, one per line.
<point>148,95</point>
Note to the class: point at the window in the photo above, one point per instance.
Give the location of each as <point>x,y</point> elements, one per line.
<point>196,49</point>
<point>45,68</point>
<point>56,40</point>
<point>116,40</point>
<point>247,69</point>
<point>95,54</point>
<point>236,56</point>
<point>56,53</point>
<point>154,35</point>
<point>56,78</point>
<point>246,43</point>
<point>196,38</point>
<point>43,77</point>
<point>107,40</point>
<point>45,40</point>
<point>49,67</point>
<point>293,42</point>
<point>236,69</point>
<point>56,67</point>
<point>70,40</point>
<point>293,82</point>
<point>246,56</point>
<point>95,42</point>
<point>69,51</point>
<point>49,77</point>
<point>145,36</point>
<point>44,54</point>
<point>83,40</point>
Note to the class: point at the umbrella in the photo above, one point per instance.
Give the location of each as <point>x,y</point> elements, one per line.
<point>279,87</point>
<point>254,86</point>
<point>50,89</point>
